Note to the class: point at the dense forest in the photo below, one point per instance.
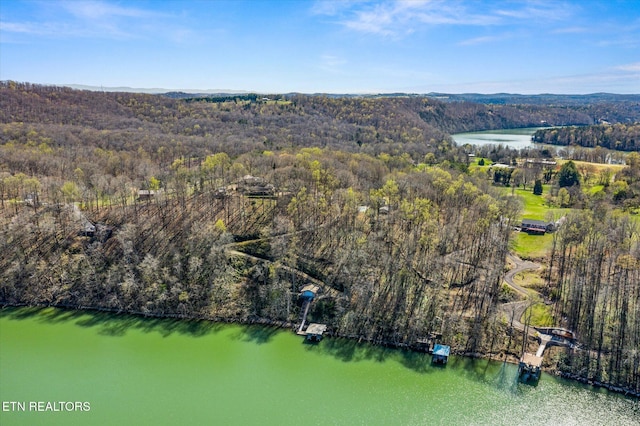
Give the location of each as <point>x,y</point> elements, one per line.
<point>388,274</point>
<point>225,209</point>
<point>594,275</point>
<point>363,124</point>
<point>622,137</point>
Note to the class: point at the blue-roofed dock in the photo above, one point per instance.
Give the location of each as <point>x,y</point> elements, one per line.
<point>314,332</point>
<point>440,354</point>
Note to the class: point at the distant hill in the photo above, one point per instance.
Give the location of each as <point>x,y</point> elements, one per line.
<point>542,99</point>
<point>238,123</point>
<point>495,98</point>
<point>155,91</point>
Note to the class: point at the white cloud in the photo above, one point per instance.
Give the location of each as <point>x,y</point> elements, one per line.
<point>95,19</point>
<point>539,11</point>
<point>634,67</point>
<point>571,30</point>
<point>100,9</point>
<point>18,27</point>
<point>331,7</point>
<point>46,29</point>
<point>629,41</point>
<point>379,20</point>
<point>479,40</point>
<point>402,17</point>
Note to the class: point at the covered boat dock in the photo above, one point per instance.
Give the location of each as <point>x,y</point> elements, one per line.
<point>440,354</point>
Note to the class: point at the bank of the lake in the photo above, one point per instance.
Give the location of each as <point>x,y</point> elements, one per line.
<point>134,370</point>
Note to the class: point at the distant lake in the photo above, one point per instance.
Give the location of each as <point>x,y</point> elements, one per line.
<point>514,138</point>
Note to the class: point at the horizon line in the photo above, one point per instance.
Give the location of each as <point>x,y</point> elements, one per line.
<point>160,91</point>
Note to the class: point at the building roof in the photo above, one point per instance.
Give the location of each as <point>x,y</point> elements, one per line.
<point>534,222</point>
<point>442,350</point>
<point>542,161</point>
<point>308,294</point>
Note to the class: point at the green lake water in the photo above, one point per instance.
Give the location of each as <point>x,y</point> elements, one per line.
<point>140,371</point>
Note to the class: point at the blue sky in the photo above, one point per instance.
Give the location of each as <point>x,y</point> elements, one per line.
<point>530,46</point>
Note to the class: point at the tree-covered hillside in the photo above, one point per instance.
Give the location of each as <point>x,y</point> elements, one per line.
<point>414,125</point>
<point>622,137</point>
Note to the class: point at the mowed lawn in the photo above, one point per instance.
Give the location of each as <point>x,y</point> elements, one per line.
<point>535,206</point>
<point>529,246</point>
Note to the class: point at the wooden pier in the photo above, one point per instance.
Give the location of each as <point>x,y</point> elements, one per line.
<point>305,311</point>
<point>314,331</point>
<point>308,293</point>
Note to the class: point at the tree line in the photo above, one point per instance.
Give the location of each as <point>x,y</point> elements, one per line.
<point>617,136</point>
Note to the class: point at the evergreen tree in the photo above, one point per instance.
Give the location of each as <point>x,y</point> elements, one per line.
<point>537,187</point>
<point>568,175</point>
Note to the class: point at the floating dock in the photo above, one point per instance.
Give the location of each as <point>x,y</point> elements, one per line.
<point>314,332</point>
<point>530,367</point>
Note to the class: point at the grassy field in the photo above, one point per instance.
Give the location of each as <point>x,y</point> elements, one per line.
<point>598,167</point>
<point>535,206</point>
<point>530,280</point>
<point>531,247</point>
<point>540,315</point>
<point>595,188</point>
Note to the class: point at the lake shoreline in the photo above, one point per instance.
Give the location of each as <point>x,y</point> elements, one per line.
<point>500,357</point>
